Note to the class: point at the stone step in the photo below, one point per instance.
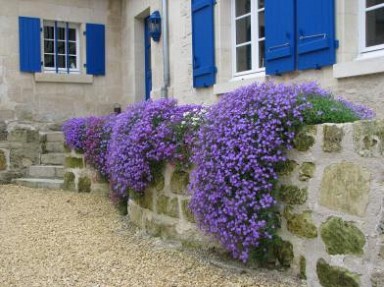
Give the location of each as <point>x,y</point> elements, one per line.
<point>52,136</point>
<point>55,147</point>
<point>52,159</point>
<point>40,182</point>
<point>46,171</point>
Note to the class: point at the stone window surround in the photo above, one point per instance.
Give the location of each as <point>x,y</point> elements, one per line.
<point>350,61</point>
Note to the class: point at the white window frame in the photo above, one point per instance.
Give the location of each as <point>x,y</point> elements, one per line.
<point>61,24</point>
<point>254,39</point>
<point>364,50</point>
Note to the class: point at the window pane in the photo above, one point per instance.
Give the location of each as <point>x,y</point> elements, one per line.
<point>49,46</point>
<point>261,25</point>
<point>375,27</point>
<point>49,61</point>
<point>261,4</point>
<point>371,3</point>
<point>244,58</point>
<point>72,48</point>
<point>61,61</point>
<point>243,7</point>
<point>72,34</point>
<point>72,62</point>
<point>61,33</point>
<point>261,54</point>
<point>61,47</point>
<point>243,30</point>
<point>48,32</point>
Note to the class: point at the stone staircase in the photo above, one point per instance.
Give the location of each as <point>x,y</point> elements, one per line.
<point>49,172</point>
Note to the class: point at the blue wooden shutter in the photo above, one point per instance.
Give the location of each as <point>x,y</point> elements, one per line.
<point>95,34</point>
<point>30,44</point>
<point>280,36</point>
<point>203,43</point>
<point>316,44</point>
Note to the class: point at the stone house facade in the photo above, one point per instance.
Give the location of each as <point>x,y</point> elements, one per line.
<point>338,43</point>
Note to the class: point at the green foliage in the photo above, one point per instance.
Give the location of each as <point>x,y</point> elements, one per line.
<point>326,109</point>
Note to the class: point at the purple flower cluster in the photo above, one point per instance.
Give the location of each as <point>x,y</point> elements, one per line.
<point>244,137</point>
<point>361,111</point>
<point>143,136</point>
<point>74,133</point>
<point>97,137</point>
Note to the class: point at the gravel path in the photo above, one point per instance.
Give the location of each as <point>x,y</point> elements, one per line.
<point>57,238</point>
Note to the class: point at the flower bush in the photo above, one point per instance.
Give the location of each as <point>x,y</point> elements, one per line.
<point>144,136</point>
<point>74,133</point>
<point>96,140</point>
<point>245,136</point>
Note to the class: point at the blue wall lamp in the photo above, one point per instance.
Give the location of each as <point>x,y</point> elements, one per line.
<point>155,26</point>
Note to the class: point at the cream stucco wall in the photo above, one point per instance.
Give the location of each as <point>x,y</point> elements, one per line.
<point>353,77</point>
<point>25,96</point>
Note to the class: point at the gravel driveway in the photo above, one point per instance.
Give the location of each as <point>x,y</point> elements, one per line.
<point>57,238</point>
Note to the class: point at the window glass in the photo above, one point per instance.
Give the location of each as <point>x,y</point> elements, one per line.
<point>61,47</point>
<point>72,48</point>
<point>243,7</point>
<point>243,30</point>
<point>49,61</point>
<point>261,54</point>
<point>49,32</point>
<point>261,24</point>
<point>374,27</point>
<point>72,35</point>
<point>244,58</point>
<point>371,3</point>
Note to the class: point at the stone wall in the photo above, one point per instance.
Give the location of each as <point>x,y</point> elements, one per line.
<point>331,203</point>
<point>46,97</point>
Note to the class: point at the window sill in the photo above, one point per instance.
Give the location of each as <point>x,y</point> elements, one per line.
<point>63,78</point>
<point>359,67</point>
<point>237,82</point>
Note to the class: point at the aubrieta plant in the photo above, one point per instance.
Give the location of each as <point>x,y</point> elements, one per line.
<point>74,133</point>
<point>96,141</point>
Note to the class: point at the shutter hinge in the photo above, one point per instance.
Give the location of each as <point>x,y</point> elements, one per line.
<point>41,63</point>
<point>41,29</point>
<point>85,65</point>
<point>85,33</point>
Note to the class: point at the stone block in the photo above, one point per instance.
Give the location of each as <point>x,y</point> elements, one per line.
<point>53,159</point>
<point>283,251</point>
<point>286,167</point>
<point>292,195</point>
<point>3,131</point>
<point>305,138</point>
<point>368,137</point>
<point>23,135</point>
<point>332,137</point>
<point>307,170</point>
<point>179,182</point>
<point>167,206</point>
<point>333,276</point>
<point>345,187</point>
<point>186,210</point>
<point>341,237</point>
<point>145,199</point>
<point>3,161</point>
<point>69,181</point>
<point>74,162</point>
<point>84,184</point>
<point>158,181</point>
<point>301,224</point>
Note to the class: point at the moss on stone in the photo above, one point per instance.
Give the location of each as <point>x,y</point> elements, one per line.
<point>303,267</point>
<point>69,181</point>
<point>333,276</point>
<point>179,182</point>
<point>3,161</point>
<point>332,137</point>
<point>286,167</point>
<point>187,212</point>
<point>307,170</point>
<point>283,250</point>
<point>368,137</point>
<point>341,237</point>
<point>121,206</point>
<point>301,224</point>
<point>304,138</point>
<point>84,184</point>
<point>292,195</point>
<point>167,206</point>
<point>74,162</point>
